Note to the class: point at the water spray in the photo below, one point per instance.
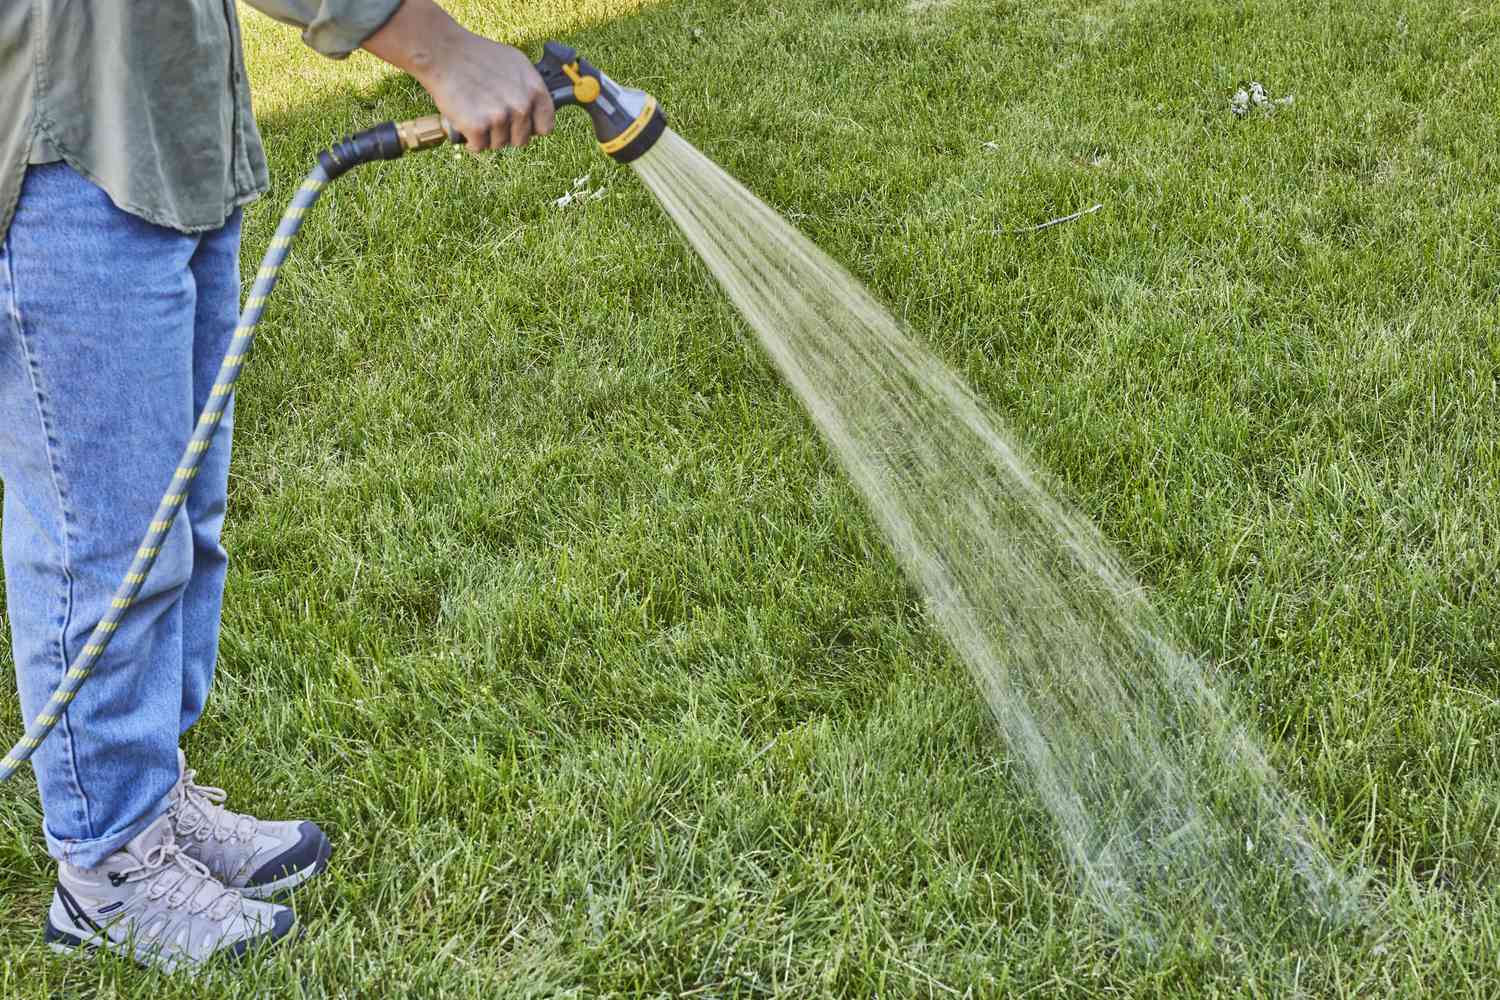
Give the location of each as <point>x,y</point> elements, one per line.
<point>627,124</point>
<point>1165,804</point>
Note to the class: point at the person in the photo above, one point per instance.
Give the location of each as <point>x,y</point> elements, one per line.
<point>124,167</point>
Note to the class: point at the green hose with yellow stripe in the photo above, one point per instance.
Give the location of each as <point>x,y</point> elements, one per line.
<point>627,123</point>
<point>187,471</point>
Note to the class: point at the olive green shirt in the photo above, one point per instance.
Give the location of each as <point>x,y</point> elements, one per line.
<point>148,98</point>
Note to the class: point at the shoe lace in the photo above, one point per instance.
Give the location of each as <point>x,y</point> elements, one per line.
<point>207,815</point>
<point>183,882</point>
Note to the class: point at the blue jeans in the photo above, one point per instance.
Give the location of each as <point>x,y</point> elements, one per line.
<point>111,333</point>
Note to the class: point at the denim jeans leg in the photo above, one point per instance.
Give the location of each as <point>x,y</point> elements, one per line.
<point>216,275</point>
<point>96,405</point>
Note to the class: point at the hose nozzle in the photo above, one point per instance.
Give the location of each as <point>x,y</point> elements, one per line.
<point>627,122</point>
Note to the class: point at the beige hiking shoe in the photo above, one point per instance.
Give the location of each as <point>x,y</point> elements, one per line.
<point>152,903</point>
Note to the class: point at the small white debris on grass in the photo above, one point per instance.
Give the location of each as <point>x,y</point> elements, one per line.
<point>581,192</point>
<point>1256,98</point>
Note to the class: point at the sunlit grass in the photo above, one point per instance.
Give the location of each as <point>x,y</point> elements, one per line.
<point>549,605</point>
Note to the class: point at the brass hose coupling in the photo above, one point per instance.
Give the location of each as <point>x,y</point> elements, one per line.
<point>425,132</point>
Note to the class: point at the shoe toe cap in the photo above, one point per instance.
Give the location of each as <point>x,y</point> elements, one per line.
<point>282,924</point>
<point>309,852</point>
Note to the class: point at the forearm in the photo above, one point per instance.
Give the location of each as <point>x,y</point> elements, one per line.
<point>415,39</point>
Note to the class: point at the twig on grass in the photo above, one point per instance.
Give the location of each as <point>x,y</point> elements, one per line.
<point>1051,222</point>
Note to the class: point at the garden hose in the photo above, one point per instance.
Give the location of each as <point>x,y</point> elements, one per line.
<point>627,123</point>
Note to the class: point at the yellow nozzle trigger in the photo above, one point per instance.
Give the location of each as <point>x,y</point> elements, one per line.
<point>585,88</point>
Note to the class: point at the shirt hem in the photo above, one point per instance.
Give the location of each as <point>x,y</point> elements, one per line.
<point>155,216</point>
<point>8,207</point>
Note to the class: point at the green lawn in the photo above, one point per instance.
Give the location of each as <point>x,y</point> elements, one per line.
<point>551,608</point>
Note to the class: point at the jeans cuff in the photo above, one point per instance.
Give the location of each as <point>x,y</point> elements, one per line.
<point>92,853</point>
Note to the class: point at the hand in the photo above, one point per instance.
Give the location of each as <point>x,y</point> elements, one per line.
<point>490,93</point>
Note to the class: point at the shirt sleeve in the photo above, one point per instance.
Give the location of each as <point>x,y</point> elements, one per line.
<point>333,27</point>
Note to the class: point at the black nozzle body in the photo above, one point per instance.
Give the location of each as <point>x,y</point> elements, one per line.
<point>627,122</point>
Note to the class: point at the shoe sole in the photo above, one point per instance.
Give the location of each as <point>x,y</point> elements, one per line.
<point>61,942</point>
<point>284,885</point>
<point>71,945</point>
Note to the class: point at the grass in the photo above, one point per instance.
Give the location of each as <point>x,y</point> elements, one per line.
<point>549,606</point>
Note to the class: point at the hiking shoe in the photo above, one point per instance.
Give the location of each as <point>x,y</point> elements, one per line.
<point>152,903</point>
<point>257,857</point>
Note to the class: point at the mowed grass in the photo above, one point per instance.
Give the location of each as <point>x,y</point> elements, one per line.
<point>550,607</point>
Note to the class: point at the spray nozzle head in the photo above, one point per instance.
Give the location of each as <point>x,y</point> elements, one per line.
<point>627,122</point>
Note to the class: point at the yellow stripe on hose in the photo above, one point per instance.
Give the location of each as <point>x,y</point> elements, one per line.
<point>222,389</point>
<point>121,602</point>
<point>109,626</point>
<point>92,649</point>
<point>47,720</point>
<point>77,674</point>
<point>10,763</point>
<point>148,553</point>
<point>135,577</point>
<point>255,302</point>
